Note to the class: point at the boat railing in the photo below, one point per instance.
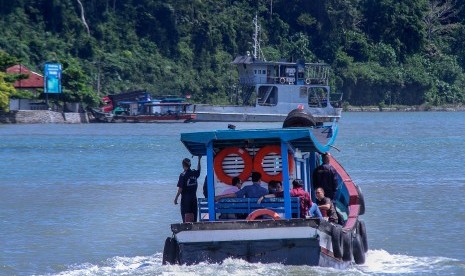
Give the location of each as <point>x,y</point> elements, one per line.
<point>311,79</point>
<point>317,73</point>
<point>241,206</point>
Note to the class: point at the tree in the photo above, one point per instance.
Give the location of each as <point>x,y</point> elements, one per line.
<point>174,46</point>
<point>6,91</point>
<point>7,60</point>
<point>75,84</point>
<point>440,24</point>
<point>396,23</point>
<point>438,19</point>
<point>6,81</point>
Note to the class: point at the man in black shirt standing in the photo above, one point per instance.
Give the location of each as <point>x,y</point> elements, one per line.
<point>187,188</point>
<point>325,176</point>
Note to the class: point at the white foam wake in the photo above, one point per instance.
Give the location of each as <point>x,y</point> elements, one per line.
<point>382,262</point>
<point>116,266</point>
<point>378,262</point>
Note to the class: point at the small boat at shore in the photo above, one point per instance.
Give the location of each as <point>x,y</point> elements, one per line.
<point>272,230</point>
<point>143,110</point>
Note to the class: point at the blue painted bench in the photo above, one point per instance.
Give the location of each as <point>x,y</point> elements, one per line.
<point>239,206</point>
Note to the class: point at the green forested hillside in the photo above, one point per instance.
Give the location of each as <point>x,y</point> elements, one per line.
<point>382,52</point>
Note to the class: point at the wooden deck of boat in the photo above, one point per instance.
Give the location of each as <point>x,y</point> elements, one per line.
<point>244,224</point>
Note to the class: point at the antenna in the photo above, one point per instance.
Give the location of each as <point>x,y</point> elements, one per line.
<point>257,51</point>
<point>256,44</point>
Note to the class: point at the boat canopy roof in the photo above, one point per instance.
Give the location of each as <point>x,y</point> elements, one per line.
<point>317,139</point>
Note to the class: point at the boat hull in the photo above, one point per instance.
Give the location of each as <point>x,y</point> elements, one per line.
<point>162,118</point>
<point>289,242</point>
<point>179,118</point>
<point>285,251</point>
<point>238,116</point>
<point>289,98</point>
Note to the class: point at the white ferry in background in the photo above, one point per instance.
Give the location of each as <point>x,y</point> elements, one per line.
<point>268,91</point>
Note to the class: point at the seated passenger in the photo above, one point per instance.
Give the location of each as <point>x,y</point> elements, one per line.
<point>306,204</point>
<point>298,191</point>
<point>236,186</point>
<point>273,186</point>
<point>277,190</point>
<point>250,191</point>
<point>326,205</point>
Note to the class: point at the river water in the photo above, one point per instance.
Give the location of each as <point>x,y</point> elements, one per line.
<point>97,199</point>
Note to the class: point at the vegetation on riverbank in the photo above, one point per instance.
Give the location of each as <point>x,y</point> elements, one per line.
<point>383,52</point>
<point>404,108</point>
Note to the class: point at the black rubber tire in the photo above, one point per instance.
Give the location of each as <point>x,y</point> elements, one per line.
<point>361,201</point>
<point>336,241</point>
<point>358,251</point>
<point>169,251</point>
<point>362,230</point>
<point>299,118</point>
<point>347,245</point>
<point>295,111</point>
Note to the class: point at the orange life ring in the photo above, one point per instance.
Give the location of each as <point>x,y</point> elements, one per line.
<point>282,80</point>
<point>260,212</point>
<point>218,164</point>
<point>307,81</point>
<point>258,165</point>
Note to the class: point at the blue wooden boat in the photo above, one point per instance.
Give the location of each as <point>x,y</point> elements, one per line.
<point>281,237</point>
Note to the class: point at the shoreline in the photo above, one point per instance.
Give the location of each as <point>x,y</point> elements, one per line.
<point>421,108</point>
<point>43,117</point>
<point>46,116</point>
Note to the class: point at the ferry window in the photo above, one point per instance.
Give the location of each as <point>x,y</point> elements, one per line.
<point>267,95</point>
<point>317,97</point>
<point>255,72</point>
<point>303,93</point>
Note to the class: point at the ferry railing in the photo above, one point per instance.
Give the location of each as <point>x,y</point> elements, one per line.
<point>241,206</point>
<point>317,73</point>
<point>312,77</point>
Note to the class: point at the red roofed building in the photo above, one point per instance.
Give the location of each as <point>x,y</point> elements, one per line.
<point>34,81</point>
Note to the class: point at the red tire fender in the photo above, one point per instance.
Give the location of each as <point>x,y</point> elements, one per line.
<point>258,166</point>
<point>218,164</point>
<point>260,212</point>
